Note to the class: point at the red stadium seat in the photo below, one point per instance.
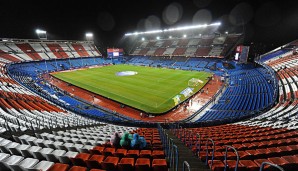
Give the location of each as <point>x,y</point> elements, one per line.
<point>232,164</point>
<point>254,154</point>
<point>133,154</point>
<point>293,162</point>
<point>108,151</point>
<point>59,167</point>
<point>279,161</point>
<point>217,165</point>
<point>95,161</point>
<point>250,165</point>
<point>243,155</point>
<point>158,154</point>
<point>156,144</point>
<point>286,150</point>
<point>145,154</point>
<point>126,164</point>
<point>120,152</point>
<point>110,163</point>
<point>97,150</point>
<point>80,159</point>
<point>77,168</point>
<point>260,161</point>
<point>159,165</point>
<point>143,164</point>
<point>294,149</point>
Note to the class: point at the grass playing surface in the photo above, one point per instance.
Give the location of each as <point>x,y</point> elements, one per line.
<point>151,90</point>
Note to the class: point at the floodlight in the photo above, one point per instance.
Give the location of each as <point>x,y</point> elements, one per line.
<point>42,34</point>
<point>227,32</point>
<point>175,29</point>
<point>89,34</point>
<point>38,31</point>
<point>170,37</point>
<point>184,35</point>
<point>143,38</point>
<point>157,37</point>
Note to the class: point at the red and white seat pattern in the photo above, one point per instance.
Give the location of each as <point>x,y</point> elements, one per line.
<point>28,50</point>
<point>284,114</point>
<point>21,109</point>
<point>193,46</point>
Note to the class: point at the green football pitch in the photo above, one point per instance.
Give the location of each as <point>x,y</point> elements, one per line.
<point>151,90</point>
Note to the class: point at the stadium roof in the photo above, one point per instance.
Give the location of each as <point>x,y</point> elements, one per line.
<point>267,21</point>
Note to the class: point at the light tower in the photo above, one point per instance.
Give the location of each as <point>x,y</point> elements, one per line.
<point>89,36</point>
<point>42,34</point>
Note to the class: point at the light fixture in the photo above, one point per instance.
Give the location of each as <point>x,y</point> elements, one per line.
<point>89,34</point>
<point>174,29</point>
<point>38,31</point>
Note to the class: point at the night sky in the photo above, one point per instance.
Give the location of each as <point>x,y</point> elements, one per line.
<point>265,23</point>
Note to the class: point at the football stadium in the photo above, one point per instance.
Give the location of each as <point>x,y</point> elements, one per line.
<point>200,85</point>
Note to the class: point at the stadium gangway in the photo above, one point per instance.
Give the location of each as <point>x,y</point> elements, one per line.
<point>185,164</point>
<point>271,164</point>
<point>174,128</point>
<point>190,139</point>
<point>207,152</point>
<point>178,131</point>
<point>169,149</point>
<point>182,133</point>
<point>174,159</point>
<point>198,145</point>
<point>166,143</point>
<point>226,156</point>
<point>164,138</point>
<point>186,136</point>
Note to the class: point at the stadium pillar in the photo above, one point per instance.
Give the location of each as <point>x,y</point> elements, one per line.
<point>45,61</point>
<point>56,64</point>
<point>69,62</point>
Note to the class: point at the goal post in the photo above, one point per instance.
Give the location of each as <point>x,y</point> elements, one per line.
<point>194,82</point>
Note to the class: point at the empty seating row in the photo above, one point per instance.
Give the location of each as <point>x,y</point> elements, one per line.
<point>254,145</point>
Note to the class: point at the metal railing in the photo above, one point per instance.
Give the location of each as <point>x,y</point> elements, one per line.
<point>271,164</point>
<point>185,163</point>
<point>170,150</point>
<point>207,151</point>
<point>226,154</point>
<point>198,145</point>
<point>175,158</point>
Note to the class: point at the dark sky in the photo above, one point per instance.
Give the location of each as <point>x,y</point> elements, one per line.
<point>268,22</point>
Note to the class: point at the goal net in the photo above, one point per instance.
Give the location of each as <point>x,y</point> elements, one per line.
<point>194,82</point>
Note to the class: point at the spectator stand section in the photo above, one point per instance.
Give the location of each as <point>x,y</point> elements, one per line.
<point>194,45</point>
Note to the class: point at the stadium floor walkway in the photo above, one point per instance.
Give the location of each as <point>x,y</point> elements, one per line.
<point>175,115</point>
<point>185,154</point>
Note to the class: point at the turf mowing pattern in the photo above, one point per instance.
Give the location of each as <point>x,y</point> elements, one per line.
<point>151,90</point>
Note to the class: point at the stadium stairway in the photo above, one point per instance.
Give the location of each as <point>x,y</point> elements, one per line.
<point>185,154</point>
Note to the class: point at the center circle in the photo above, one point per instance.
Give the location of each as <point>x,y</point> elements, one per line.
<point>126,73</point>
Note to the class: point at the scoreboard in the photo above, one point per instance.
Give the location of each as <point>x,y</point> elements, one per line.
<point>114,53</point>
<point>241,53</point>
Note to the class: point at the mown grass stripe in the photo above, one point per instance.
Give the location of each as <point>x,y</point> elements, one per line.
<point>151,90</point>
